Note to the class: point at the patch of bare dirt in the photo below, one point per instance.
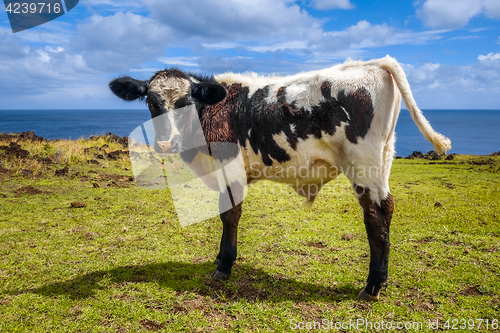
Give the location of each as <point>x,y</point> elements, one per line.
<point>116,180</point>
<point>319,245</point>
<point>424,305</point>
<point>471,290</point>
<point>425,241</point>
<point>483,162</point>
<point>363,306</point>
<point>4,171</point>
<point>114,155</point>
<point>101,153</point>
<point>46,160</point>
<point>293,252</point>
<point>152,325</point>
<point>490,249</point>
<point>115,177</point>
<point>195,304</point>
<point>62,172</point>
<point>90,235</point>
<point>219,319</point>
<point>29,190</point>
<point>5,301</point>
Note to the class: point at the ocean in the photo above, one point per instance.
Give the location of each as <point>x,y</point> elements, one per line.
<point>470,131</point>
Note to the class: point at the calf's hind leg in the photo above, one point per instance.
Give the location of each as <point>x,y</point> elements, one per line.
<point>377,217</point>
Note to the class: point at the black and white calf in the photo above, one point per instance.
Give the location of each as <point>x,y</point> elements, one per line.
<point>321,122</point>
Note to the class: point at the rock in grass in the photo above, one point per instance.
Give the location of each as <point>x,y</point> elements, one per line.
<point>14,150</point>
<point>347,237</point>
<point>78,204</point>
<point>438,204</point>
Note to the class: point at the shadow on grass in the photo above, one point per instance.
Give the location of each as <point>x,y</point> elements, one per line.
<point>246,282</point>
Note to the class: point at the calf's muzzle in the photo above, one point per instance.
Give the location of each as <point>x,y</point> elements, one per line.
<point>164,145</point>
<point>167,147</point>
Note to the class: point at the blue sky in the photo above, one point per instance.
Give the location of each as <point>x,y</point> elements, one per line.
<point>450,49</point>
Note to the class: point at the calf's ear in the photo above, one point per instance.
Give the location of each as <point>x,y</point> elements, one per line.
<point>128,88</point>
<point>208,92</point>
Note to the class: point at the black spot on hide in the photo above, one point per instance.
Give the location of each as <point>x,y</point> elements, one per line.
<point>233,118</point>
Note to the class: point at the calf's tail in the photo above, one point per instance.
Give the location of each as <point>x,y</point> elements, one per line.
<point>441,143</point>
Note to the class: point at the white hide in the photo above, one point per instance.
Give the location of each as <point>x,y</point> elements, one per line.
<point>366,163</point>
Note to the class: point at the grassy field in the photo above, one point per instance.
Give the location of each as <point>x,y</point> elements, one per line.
<point>83,249</point>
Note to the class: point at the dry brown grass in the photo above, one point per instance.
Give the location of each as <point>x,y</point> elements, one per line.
<point>58,152</point>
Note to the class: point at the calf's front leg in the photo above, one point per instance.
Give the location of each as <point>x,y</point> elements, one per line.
<point>229,240</point>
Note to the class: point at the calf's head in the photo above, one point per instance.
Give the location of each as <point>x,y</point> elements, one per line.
<point>167,94</point>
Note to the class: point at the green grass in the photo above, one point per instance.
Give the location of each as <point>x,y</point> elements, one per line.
<point>123,263</point>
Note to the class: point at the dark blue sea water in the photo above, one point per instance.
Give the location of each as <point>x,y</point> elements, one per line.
<point>470,131</point>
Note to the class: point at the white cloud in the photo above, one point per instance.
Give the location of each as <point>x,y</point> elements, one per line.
<point>492,8</point>
<point>416,38</point>
<point>73,64</point>
<point>478,30</point>
<point>489,57</point>
<point>180,61</point>
<point>335,45</point>
<point>40,71</point>
<point>454,14</point>
<point>327,58</point>
<point>272,47</point>
<point>149,70</point>
<point>446,86</point>
<point>53,32</point>
<point>221,45</point>
<point>366,35</point>
<point>11,46</point>
<point>332,4</point>
<point>290,45</point>
<point>114,3</point>
<point>221,64</point>
<point>236,19</point>
<point>121,41</point>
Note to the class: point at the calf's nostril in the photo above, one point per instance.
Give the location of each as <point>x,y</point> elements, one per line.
<point>164,145</point>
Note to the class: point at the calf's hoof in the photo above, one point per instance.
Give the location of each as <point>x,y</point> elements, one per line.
<point>363,295</point>
<point>219,276</point>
